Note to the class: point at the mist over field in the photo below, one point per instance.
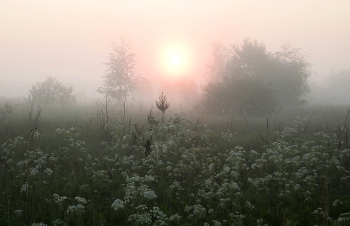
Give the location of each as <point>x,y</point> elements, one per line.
<point>71,41</point>
<point>164,112</point>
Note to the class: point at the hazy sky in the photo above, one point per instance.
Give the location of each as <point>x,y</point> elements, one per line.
<point>70,40</point>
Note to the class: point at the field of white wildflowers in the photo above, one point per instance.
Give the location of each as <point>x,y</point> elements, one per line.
<point>192,176</point>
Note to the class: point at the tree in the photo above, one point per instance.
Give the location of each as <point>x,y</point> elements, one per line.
<point>188,91</point>
<point>256,79</point>
<point>286,71</point>
<point>144,90</point>
<point>162,105</point>
<point>220,55</point>
<point>240,95</point>
<point>51,92</point>
<point>336,86</point>
<point>120,78</point>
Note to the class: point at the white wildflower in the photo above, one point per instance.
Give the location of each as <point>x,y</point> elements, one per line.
<point>48,171</point>
<point>337,202</point>
<point>145,218</point>
<point>81,200</point>
<point>149,194</point>
<point>19,213</point>
<point>39,224</point>
<point>78,209</point>
<point>211,166</point>
<point>226,168</point>
<point>199,211</point>
<point>59,200</point>
<point>118,204</point>
<point>175,217</point>
<point>297,187</point>
<point>132,179</point>
<point>149,178</point>
<point>33,172</point>
<point>216,223</point>
<point>25,187</point>
<point>58,222</point>
<point>235,186</point>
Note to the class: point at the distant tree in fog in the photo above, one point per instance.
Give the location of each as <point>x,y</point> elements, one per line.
<point>220,55</point>
<point>240,95</point>
<point>337,86</point>
<point>144,90</point>
<point>120,78</point>
<point>248,78</point>
<point>51,92</point>
<point>188,91</point>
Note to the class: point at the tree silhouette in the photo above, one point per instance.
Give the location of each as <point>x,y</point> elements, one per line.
<point>51,92</point>
<point>249,79</point>
<point>163,104</point>
<point>120,78</point>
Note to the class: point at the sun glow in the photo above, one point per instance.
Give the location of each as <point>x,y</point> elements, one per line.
<point>175,61</point>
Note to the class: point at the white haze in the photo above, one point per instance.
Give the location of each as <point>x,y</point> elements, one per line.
<point>70,40</point>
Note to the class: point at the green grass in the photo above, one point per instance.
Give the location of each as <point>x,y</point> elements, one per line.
<point>289,168</point>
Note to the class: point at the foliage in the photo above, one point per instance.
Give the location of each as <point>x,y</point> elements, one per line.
<point>337,85</point>
<point>120,78</point>
<point>51,92</point>
<point>240,95</point>
<point>188,91</point>
<point>192,176</point>
<point>283,75</point>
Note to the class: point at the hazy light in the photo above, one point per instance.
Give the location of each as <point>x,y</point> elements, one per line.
<point>175,60</point>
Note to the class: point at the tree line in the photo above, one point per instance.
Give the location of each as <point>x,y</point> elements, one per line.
<point>244,79</point>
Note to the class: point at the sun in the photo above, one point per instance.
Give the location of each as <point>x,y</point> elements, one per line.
<point>175,60</point>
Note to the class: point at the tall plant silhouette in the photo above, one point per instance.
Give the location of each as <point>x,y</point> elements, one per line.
<point>162,105</point>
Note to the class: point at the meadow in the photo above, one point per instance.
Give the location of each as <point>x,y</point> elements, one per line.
<point>68,167</point>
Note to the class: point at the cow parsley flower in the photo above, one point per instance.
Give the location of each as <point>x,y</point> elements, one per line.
<point>145,218</point>
<point>118,204</point>
<point>198,210</point>
<point>211,166</point>
<point>33,172</point>
<point>297,187</point>
<point>149,194</point>
<point>216,223</point>
<point>59,200</point>
<point>25,187</point>
<point>19,213</point>
<point>226,168</point>
<point>175,217</point>
<point>58,222</point>
<point>81,200</point>
<point>337,202</point>
<point>78,209</point>
<point>39,224</point>
<point>48,171</point>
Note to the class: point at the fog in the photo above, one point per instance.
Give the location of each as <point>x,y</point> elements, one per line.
<point>70,40</point>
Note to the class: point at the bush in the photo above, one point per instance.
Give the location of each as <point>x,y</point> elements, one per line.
<point>51,92</point>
